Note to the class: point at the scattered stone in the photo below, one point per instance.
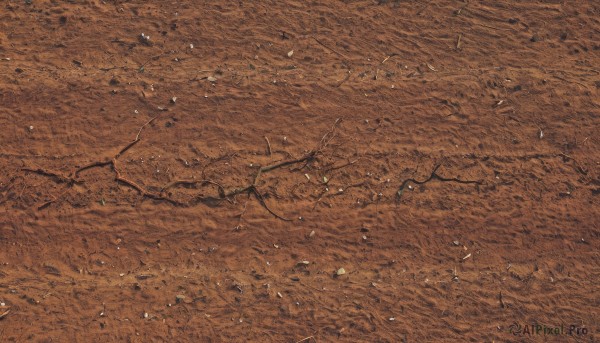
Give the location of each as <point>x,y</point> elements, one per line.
<point>211,79</point>
<point>289,54</point>
<point>144,39</point>
<point>311,234</point>
<point>340,272</point>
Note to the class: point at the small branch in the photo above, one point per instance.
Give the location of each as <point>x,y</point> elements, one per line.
<point>92,165</point>
<point>137,138</point>
<point>328,48</point>
<point>54,175</point>
<point>264,204</point>
<point>268,146</point>
<point>342,166</point>
<point>433,175</point>
<point>306,339</point>
<point>193,183</point>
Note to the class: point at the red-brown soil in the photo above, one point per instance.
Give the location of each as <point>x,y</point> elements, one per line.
<point>502,96</point>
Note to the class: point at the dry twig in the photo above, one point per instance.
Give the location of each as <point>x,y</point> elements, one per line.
<point>433,175</point>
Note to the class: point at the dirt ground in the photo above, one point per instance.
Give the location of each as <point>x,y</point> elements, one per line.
<point>299,171</point>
